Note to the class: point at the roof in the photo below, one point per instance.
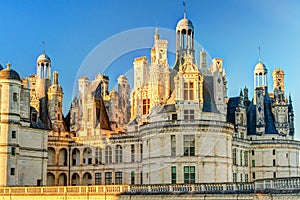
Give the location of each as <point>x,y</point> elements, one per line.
<point>231,107</point>
<point>168,108</point>
<point>9,73</point>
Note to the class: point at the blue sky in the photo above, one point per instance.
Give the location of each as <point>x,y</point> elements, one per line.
<point>230,29</point>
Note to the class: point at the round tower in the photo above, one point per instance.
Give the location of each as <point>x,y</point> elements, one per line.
<point>10,87</point>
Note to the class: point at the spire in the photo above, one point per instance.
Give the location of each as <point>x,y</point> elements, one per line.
<point>259,56</point>
<point>184,5</point>
<point>43,43</point>
<point>156,35</point>
<point>8,65</point>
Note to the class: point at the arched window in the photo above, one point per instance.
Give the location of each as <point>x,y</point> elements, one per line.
<point>119,154</point>
<point>108,154</point>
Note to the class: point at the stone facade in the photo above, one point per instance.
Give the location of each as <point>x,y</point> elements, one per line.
<point>176,125</point>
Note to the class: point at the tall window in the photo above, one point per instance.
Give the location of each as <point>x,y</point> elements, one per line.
<point>98,156</point>
<point>98,178</point>
<point>189,115</point>
<point>118,178</point>
<point>246,178</point>
<point>241,177</point>
<point>274,152</point>
<point>253,175</point>
<point>246,159</point>
<point>234,177</point>
<point>234,156</point>
<point>141,178</point>
<point>108,178</point>
<point>253,163</point>
<point>146,106</point>
<point>188,91</point>
<point>274,162</point>
<point>12,171</point>
<point>14,134</point>
<point>108,154</point>
<point>189,174</point>
<point>132,153</point>
<point>119,154</point>
<point>253,153</point>
<point>189,145</point>
<point>89,117</point>
<point>132,178</point>
<point>241,158</point>
<point>141,152</point>
<point>173,145</point>
<point>13,151</point>
<point>173,175</point>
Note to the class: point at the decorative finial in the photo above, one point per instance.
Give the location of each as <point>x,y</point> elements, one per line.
<point>8,65</point>
<point>259,56</point>
<point>43,43</point>
<point>184,5</point>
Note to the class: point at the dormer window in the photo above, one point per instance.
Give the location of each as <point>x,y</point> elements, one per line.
<point>188,91</point>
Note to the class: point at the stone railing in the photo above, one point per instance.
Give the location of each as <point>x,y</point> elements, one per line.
<point>288,185</point>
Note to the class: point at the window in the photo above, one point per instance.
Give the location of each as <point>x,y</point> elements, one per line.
<point>141,152</point>
<point>98,155</point>
<point>141,178</point>
<point>12,171</point>
<point>174,117</point>
<point>58,104</point>
<point>119,154</point>
<point>132,153</point>
<point>274,162</point>
<point>173,145</point>
<point>173,175</point>
<point>241,158</point>
<point>98,178</point>
<point>90,161</point>
<point>108,178</point>
<point>15,96</point>
<point>14,134</point>
<point>253,163</point>
<point>274,174</point>
<point>234,156</point>
<point>234,177</point>
<point>246,159</point>
<point>189,145</point>
<point>241,177</point>
<point>253,175</point>
<point>108,156</point>
<point>146,106</point>
<point>132,178</point>
<point>13,151</point>
<point>274,152</point>
<point>189,115</point>
<point>246,178</point>
<point>89,117</point>
<point>118,178</point>
<point>253,153</point>
<point>188,91</point>
<point>189,174</point>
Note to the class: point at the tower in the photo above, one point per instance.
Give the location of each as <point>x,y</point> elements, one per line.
<point>10,86</point>
<point>184,40</point>
<point>55,99</point>
<point>260,79</point>
<point>278,84</point>
<point>42,84</point>
<point>159,71</point>
<point>124,95</point>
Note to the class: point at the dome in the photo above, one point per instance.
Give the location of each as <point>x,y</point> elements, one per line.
<point>260,67</point>
<point>185,24</point>
<point>43,57</point>
<point>8,73</point>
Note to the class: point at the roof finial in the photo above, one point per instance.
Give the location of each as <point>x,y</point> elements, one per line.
<point>43,43</point>
<point>259,56</point>
<point>8,65</point>
<point>184,5</point>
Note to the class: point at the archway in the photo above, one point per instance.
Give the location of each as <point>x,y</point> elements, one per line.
<point>50,179</point>
<point>62,179</point>
<point>75,179</point>
<point>51,156</point>
<point>87,179</point>
<point>62,157</point>
<point>75,157</point>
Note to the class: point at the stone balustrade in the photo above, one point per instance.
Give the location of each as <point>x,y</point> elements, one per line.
<point>289,185</point>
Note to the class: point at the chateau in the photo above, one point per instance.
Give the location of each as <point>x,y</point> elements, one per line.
<point>175,125</point>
